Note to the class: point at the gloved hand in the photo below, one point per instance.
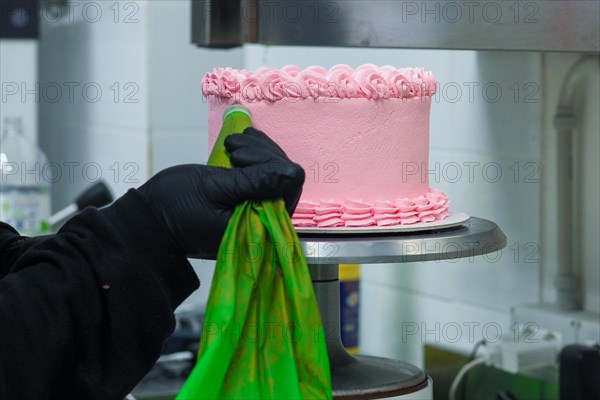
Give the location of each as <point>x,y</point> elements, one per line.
<point>196,201</point>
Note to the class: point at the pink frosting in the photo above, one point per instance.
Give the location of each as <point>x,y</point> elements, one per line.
<point>431,206</point>
<point>340,81</point>
<point>358,133</point>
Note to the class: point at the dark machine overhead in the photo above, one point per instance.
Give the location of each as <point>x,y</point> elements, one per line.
<point>543,25</point>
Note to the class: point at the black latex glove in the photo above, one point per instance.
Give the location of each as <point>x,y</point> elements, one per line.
<point>196,201</point>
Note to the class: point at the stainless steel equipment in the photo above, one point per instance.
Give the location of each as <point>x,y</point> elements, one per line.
<point>542,25</point>
<point>566,121</point>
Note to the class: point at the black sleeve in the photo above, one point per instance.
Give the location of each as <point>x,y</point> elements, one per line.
<point>84,313</point>
<point>12,245</point>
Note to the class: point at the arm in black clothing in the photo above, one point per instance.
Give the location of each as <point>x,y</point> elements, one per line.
<point>115,278</point>
<point>12,245</point>
<point>84,313</point>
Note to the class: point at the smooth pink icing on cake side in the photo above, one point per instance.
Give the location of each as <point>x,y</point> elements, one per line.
<point>362,145</point>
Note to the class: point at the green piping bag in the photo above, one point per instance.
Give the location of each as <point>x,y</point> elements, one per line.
<point>262,336</point>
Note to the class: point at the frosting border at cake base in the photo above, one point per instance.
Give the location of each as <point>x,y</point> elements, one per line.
<point>454,219</point>
<point>431,206</point>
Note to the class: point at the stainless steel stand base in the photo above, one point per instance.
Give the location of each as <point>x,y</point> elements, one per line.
<point>374,378</point>
<point>357,377</point>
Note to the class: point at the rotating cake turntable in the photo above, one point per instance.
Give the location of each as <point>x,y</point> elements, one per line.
<point>452,220</point>
<point>367,377</point>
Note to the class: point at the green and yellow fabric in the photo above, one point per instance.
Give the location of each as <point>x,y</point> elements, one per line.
<point>262,336</point>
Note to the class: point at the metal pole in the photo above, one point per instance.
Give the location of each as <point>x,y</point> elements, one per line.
<point>326,283</point>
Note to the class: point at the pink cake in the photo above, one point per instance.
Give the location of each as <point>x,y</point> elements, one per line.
<point>362,136</point>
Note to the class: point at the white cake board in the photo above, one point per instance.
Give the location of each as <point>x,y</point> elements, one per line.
<point>452,220</point>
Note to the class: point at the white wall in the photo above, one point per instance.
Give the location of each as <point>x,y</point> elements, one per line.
<point>178,111</point>
<point>100,127</point>
<point>18,77</point>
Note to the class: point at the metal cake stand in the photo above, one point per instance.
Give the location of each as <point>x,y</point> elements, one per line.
<point>366,377</point>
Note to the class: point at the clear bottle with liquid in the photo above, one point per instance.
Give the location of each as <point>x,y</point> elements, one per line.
<point>24,188</point>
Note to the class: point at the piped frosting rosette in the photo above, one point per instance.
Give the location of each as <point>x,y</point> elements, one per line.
<point>341,81</point>
<point>429,207</point>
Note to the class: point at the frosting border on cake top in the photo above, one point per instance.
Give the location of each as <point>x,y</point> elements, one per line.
<point>340,81</point>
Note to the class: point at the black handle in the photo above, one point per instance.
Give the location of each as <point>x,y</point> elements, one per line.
<point>97,195</point>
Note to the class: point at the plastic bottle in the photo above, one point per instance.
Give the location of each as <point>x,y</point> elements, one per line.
<point>24,186</point>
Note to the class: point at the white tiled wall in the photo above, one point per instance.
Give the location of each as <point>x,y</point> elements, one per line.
<point>100,119</point>
<point>179,114</point>
<point>18,61</point>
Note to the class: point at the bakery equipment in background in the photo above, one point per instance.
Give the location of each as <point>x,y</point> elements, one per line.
<point>24,184</point>
<point>579,372</point>
<point>577,378</point>
<point>567,283</point>
<point>19,19</point>
<point>482,381</point>
<point>97,195</point>
<point>25,179</point>
<point>535,25</point>
<point>177,359</point>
